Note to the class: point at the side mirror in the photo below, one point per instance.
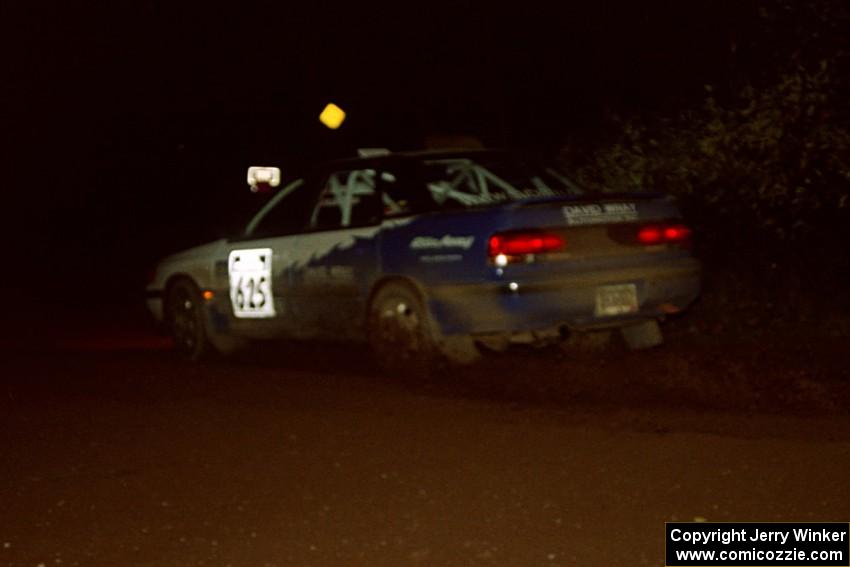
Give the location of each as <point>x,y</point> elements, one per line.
<point>261,178</point>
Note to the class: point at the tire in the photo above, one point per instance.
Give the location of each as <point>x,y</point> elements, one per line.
<point>405,339</point>
<point>401,332</point>
<point>187,321</point>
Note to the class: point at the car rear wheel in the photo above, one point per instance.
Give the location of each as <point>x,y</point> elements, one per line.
<point>185,312</point>
<point>401,333</point>
<point>405,339</point>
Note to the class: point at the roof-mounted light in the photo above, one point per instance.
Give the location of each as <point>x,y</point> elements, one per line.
<point>261,178</point>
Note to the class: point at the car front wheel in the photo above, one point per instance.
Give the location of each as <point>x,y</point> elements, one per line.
<point>185,312</point>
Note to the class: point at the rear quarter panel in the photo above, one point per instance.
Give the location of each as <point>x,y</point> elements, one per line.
<point>446,253</point>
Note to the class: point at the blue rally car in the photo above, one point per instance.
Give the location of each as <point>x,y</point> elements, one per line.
<point>428,256</point>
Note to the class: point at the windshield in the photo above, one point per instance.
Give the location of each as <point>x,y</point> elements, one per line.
<point>467,182</point>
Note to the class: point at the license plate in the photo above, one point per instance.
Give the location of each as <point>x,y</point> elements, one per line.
<point>616,300</point>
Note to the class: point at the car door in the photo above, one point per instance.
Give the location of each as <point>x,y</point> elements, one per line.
<point>259,265</point>
<point>337,258</point>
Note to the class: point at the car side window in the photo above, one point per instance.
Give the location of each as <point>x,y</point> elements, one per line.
<point>462,182</point>
<point>403,193</point>
<point>447,184</point>
<point>347,199</point>
<point>287,212</point>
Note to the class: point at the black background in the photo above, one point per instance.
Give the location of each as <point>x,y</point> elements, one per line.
<point>129,127</point>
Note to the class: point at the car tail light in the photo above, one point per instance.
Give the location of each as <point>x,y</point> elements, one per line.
<point>676,233</point>
<point>650,235</point>
<point>512,246</point>
<point>661,234</point>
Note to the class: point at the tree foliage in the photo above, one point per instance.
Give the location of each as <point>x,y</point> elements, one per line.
<point>764,158</point>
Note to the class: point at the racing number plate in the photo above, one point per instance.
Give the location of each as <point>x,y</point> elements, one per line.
<point>616,300</point>
<point>250,273</point>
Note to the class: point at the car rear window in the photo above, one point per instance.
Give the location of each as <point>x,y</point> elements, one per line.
<point>468,182</point>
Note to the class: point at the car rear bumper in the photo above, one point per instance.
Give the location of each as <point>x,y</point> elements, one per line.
<point>569,300</point>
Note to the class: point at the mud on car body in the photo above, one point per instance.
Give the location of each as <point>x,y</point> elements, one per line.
<point>428,255</point>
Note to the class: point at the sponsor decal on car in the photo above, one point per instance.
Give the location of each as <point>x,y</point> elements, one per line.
<point>446,241</point>
<point>600,213</point>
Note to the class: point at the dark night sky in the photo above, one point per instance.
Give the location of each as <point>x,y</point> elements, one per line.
<point>140,119</point>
